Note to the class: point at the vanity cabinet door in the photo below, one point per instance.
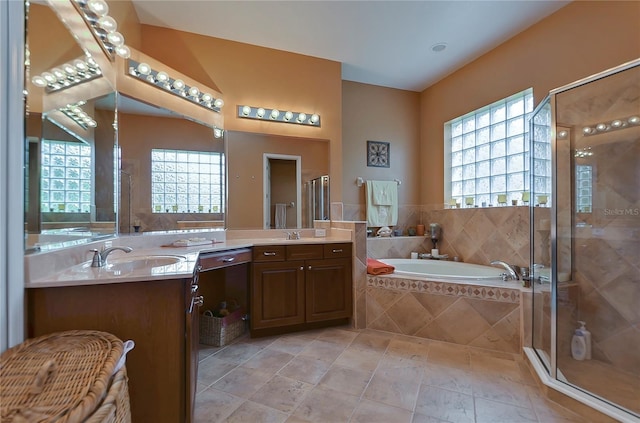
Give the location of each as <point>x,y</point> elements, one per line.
<point>328,289</point>
<point>277,294</point>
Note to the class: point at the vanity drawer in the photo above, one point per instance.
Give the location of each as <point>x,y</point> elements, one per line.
<point>337,250</point>
<point>269,253</point>
<point>210,261</point>
<point>304,252</point>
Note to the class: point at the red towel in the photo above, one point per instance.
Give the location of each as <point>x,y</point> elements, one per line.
<point>375,267</point>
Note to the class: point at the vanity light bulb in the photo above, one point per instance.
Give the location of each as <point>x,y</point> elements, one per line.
<point>634,120</point>
<point>217,132</point>
<point>587,130</point>
<point>123,51</point>
<point>69,69</point>
<point>144,69</point>
<point>49,77</point>
<point>99,7</point>
<point>275,113</point>
<point>115,38</point>
<point>218,103</point>
<point>58,73</point>
<point>39,81</point>
<point>92,63</point>
<point>288,116</point>
<point>601,127</point>
<point>314,119</point>
<point>92,124</point>
<point>162,76</point>
<point>206,97</point>
<point>246,110</point>
<point>194,92</point>
<point>108,23</point>
<point>562,134</point>
<point>260,112</point>
<point>80,65</point>
<point>178,84</point>
<point>616,123</point>
<point>302,117</point>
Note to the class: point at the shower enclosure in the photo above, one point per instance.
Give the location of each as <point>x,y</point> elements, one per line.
<point>316,205</point>
<point>585,241</point>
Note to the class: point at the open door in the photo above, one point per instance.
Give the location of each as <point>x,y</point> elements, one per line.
<point>282,191</point>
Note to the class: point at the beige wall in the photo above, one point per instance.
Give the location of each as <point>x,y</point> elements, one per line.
<point>579,40</point>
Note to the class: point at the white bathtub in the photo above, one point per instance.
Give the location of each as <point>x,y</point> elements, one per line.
<point>447,271</point>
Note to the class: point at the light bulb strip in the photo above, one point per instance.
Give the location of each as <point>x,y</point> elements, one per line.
<point>75,113</point>
<point>282,116</point>
<point>81,70</point>
<point>613,125</point>
<point>103,27</point>
<point>174,86</point>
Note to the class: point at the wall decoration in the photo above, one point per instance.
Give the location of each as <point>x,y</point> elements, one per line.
<point>377,154</point>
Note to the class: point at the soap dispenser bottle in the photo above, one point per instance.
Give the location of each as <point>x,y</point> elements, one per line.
<point>587,339</point>
<point>578,346</point>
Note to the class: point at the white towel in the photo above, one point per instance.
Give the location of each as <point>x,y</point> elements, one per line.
<point>281,216</point>
<point>382,214</point>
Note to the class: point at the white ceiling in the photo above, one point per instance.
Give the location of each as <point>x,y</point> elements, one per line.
<point>387,43</point>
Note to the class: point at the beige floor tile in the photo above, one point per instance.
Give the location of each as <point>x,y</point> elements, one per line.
<point>373,412</point>
<point>492,412</point>
<point>392,389</point>
<point>421,418</point>
<point>323,405</point>
<point>212,369</point>
<point>507,369</point>
<point>371,342</point>
<point>447,378</point>
<point>242,382</point>
<point>449,355</point>
<point>324,350</point>
<point>213,405</point>
<point>338,336</point>
<point>445,405</point>
<point>411,348</point>
<point>305,369</point>
<point>282,393</point>
<point>358,359</point>
<point>268,361</point>
<point>252,412</point>
<point>238,353</point>
<point>205,351</point>
<point>290,344</point>
<point>401,369</point>
<point>495,388</point>
<point>343,379</point>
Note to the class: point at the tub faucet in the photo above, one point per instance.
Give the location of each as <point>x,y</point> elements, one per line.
<point>100,257</point>
<point>511,272</point>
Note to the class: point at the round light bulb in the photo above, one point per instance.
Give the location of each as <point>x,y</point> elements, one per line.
<point>587,130</point>
<point>634,120</point>
<point>58,73</point>
<point>314,119</point>
<point>616,123</point>
<point>178,84</point>
<point>108,23</point>
<point>80,65</point>
<point>92,123</point>
<point>39,81</point>
<point>162,76</point>
<point>99,7</point>
<point>218,103</point>
<point>194,92</point>
<point>302,117</point>
<point>260,112</point>
<point>123,51</point>
<point>115,38</point>
<point>601,127</point>
<point>275,113</point>
<point>217,132</point>
<point>144,69</point>
<point>91,62</point>
<point>207,98</point>
<point>288,116</point>
<point>49,77</point>
<point>562,134</point>
<point>246,110</point>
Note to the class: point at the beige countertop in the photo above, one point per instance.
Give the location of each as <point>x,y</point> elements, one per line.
<point>150,263</point>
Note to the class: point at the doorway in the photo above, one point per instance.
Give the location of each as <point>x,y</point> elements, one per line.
<point>282,191</point>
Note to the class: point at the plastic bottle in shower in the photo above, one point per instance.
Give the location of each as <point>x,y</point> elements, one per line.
<point>587,338</point>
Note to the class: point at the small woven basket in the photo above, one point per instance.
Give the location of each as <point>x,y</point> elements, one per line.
<point>64,377</point>
<point>219,331</point>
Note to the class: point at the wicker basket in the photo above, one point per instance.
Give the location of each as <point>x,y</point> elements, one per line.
<point>64,377</point>
<point>219,331</point>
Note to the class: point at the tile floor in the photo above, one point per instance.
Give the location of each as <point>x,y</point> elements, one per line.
<point>345,375</point>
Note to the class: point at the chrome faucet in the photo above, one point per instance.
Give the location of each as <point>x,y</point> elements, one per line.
<point>511,272</point>
<point>293,235</point>
<point>100,257</point>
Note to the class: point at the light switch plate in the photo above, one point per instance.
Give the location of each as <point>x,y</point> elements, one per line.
<point>321,233</point>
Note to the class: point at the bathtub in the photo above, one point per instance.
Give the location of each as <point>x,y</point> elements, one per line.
<point>448,271</point>
<point>462,303</point>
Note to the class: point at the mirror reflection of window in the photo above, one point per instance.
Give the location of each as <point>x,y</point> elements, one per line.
<point>583,188</point>
<point>187,181</point>
<point>66,174</point>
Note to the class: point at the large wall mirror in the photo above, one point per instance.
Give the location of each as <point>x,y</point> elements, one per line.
<point>148,160</point>
<point>69,149</point>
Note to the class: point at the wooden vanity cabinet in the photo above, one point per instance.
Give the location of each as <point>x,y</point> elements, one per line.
<point>296,286</point>
<point>162,368</point>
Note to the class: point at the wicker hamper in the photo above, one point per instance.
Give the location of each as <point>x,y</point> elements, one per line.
<point>219,331</point>
<point>65,377</point>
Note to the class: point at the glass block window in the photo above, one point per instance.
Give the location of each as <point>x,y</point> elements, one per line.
<point>487,153</point>
<point>187,181</point>
<point>583,188</point>
<point>66,177</point>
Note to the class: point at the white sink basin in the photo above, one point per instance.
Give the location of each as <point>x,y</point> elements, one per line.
<point>130,264</point>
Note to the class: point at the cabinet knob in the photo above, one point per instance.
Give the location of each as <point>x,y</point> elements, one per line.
<point>309,268</point>
<point>194,288</point>
<point>228,260</point>
<point>301,267</point>
<point>336,250</point>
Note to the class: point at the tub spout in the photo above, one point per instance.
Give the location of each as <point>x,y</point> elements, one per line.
<point>511,272</point>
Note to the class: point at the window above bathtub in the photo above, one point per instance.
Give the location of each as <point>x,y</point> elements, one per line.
<point>487,154</point>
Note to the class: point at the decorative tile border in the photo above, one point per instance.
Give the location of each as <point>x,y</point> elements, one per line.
<point>505,295</point>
